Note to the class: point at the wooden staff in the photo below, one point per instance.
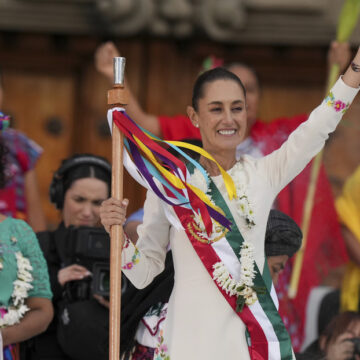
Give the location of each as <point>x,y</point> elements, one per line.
<point>117,96</point>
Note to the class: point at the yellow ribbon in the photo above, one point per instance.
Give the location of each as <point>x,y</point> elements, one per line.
<point>229,183</point>
<point>173,179</point>
<point>348,209</point>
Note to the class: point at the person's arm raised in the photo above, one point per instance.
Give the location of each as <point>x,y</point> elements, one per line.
<point>104,64</point>
<point>309,138</point>
<point>339,54</point>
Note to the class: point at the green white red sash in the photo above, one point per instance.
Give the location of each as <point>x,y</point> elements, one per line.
<point>267,337</point>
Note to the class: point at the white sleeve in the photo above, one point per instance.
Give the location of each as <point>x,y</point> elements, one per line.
<point>143,262</point>
<point>282,165</point>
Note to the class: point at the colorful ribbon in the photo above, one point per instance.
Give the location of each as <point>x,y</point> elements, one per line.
<point>153,162</point>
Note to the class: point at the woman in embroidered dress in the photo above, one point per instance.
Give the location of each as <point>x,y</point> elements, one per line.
<point>20,198</point>
<point>25,295</point>
<point>223,305</point>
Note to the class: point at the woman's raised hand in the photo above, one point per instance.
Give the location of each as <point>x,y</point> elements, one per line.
<point>104,55</point>
<point>72,272</point>
<point>113,212</point>
<point>340,54</point>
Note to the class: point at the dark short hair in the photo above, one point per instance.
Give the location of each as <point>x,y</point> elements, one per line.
<point>210,76</point>
<point>86,171</point>
<point>77,167</point>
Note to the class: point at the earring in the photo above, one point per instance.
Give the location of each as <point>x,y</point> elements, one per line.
<point>196,125</point>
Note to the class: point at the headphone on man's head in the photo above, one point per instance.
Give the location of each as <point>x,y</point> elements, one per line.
<point>57,190</point>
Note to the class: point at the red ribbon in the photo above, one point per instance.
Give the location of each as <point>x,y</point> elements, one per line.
<point>258,348</point>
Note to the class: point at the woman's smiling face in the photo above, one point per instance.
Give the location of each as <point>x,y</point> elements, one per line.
<point>221,115</point>
<point>82,202</point>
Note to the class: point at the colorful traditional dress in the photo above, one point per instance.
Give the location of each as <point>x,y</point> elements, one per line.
<point>200,324</point>
<point>16,236</point>
<point>22,155</point>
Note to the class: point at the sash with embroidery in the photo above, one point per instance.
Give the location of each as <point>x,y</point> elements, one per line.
<point>266,334</point>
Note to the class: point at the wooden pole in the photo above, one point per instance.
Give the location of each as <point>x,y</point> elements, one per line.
<point>117,96</point>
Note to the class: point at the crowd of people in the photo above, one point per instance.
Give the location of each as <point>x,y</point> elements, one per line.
<point>180,294</point>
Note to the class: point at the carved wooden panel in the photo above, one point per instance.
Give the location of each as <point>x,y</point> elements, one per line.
<point>34,99</point>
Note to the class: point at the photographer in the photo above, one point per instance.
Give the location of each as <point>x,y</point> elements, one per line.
<point>80,327</point>
<point>340,340</point>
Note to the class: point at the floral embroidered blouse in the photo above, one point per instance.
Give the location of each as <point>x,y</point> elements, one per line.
<point>16,235</point>
<point>21,157</point>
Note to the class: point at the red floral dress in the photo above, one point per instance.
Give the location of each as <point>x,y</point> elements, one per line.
<point>21,157</point>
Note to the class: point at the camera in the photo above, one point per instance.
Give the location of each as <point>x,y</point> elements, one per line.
<point>356,342</point>
<point>89,247</point>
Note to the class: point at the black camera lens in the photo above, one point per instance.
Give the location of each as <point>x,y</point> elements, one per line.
<point>101,279</point>
<point>104,281</point>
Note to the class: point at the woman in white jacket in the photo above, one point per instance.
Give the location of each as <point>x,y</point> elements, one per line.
<point>223,305</point>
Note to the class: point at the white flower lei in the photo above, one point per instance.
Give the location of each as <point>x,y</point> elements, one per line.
<point>244,289</point>
<point>22,285</point>
<point>242,201</point>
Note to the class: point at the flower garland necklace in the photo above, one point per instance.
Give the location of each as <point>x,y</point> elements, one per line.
<point>242,202</point>
<point>22,285</point>
<point>244,290</point>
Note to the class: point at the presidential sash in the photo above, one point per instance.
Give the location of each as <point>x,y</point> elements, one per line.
<point>267,336</point>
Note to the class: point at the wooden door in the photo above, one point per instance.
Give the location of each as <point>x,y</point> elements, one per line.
<point>42,106</point>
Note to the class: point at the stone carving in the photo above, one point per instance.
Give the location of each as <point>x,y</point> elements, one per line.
<point>309,6</point>
<point>126,17</point>
<point>173,17</point>
<point>222,20</point>
<point>252,21</point>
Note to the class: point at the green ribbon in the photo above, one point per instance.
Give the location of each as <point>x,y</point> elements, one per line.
<point>235,239</point>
